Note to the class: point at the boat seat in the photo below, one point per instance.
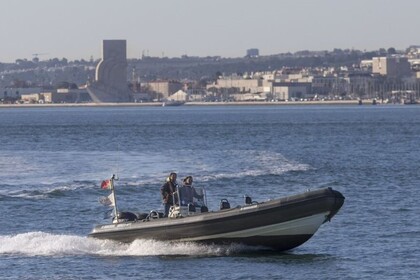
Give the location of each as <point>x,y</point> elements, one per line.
<point>191,207</point>
<point>128,216</point>
<point>224,204</point>
<point>142,216</point>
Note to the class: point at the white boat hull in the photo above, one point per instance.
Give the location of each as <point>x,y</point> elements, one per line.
<point>303,226</point>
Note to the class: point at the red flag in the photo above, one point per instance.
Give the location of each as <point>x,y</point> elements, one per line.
<point>106,184</point>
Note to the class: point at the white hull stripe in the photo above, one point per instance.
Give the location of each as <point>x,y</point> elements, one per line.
<point>308,225</point>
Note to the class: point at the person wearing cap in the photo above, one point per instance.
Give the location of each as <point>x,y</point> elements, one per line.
<point>167,191</point>
<point>187,191</point>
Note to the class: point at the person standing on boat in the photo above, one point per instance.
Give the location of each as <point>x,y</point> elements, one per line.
<point>187,191</point>
<point>167,191</point>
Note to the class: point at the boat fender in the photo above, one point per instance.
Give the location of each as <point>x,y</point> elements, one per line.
<point>224,204</point>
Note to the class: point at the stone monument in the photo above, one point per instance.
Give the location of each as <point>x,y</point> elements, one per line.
<point>110,83</point>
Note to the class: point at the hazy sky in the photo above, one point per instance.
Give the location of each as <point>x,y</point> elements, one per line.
<point>74,29</point>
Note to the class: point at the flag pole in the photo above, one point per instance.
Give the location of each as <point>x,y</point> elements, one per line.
<point>115,198</point>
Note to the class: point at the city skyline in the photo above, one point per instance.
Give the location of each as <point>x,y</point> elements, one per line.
<point>49,29</point>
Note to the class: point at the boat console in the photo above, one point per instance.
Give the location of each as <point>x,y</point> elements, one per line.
<point>185,207</point>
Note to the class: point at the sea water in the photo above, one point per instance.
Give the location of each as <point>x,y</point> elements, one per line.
<point>52,161</point>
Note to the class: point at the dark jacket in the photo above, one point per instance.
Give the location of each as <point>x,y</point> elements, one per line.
<point>166,191</point>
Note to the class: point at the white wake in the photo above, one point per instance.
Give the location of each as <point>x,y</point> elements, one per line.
<point>47,244</point>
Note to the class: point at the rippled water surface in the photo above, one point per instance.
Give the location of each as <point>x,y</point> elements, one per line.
<point>52,161</point>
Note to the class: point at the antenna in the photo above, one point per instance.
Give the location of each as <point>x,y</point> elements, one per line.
<point>35,55</point>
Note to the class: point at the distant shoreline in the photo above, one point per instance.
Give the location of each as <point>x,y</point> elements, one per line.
<point>235,103</point>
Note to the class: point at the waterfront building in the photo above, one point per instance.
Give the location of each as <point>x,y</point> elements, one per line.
<point>238,84</point>
<point>416,68</point>
<point>366,65</point>
<point>64,95</point>
<point>323,85</point>
<point>291,91</point>
<point>360,85</point>
<point>162,89</point>
<point>413,51</point>
<point>57,96</point>
<point>391,66</point>
<point>13,92</point>
<point>31,98</point>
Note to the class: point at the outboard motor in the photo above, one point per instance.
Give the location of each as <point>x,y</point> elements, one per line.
<point>224,204</point>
